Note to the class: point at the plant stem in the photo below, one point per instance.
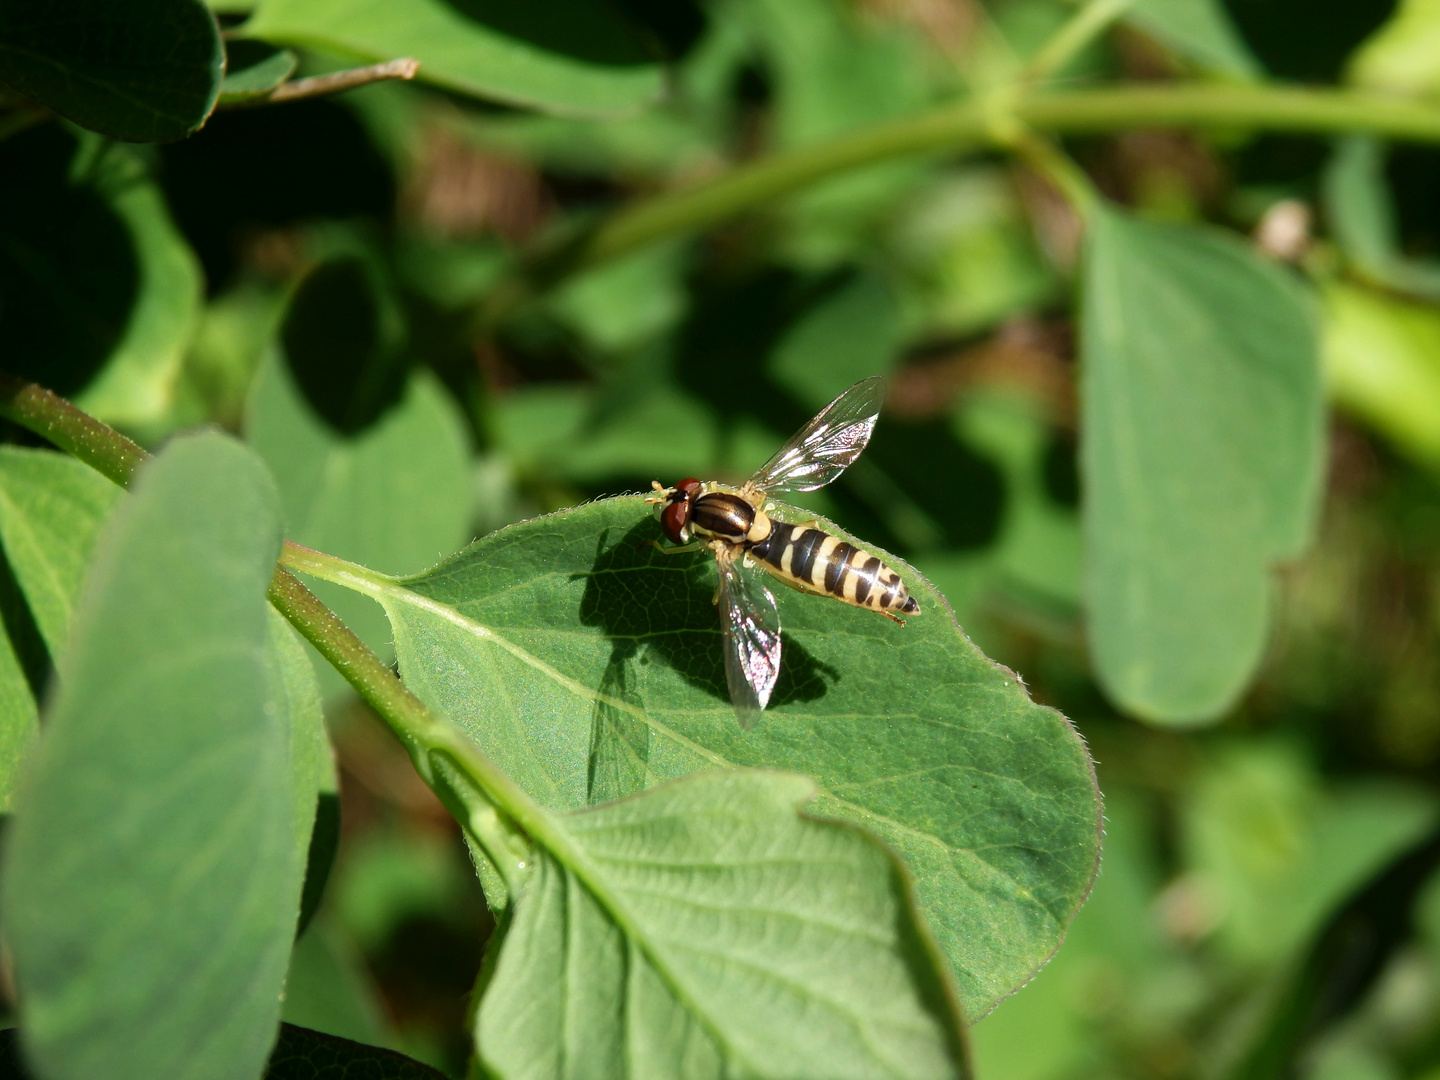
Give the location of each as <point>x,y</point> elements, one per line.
<point>972,123</point>
<point>77,433</point>
<point>332,83</point>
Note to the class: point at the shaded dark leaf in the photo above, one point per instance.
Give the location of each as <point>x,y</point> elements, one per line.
<point>141,71</point>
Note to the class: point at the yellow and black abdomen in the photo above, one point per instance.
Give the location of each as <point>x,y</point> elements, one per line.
<point>811,559</point>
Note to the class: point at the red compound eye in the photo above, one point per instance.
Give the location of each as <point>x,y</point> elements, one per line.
<point>675,518</point>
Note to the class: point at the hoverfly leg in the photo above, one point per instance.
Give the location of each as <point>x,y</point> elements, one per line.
<point>696,546</point>
<point>892,618</point>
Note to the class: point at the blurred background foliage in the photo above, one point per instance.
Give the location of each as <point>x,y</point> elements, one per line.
<point>314,275</point>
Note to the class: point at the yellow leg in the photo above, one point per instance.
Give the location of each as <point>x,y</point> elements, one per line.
<point>696,546</point>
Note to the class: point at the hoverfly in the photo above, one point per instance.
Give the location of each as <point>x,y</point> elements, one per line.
<point>733,524</point>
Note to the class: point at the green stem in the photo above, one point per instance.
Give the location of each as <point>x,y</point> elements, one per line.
<point>1081,29</point>
<point>77,433</point>
<point>971,124</point>
<point>424,735</point>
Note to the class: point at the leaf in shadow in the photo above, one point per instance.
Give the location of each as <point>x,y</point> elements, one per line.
<point>342,344</point>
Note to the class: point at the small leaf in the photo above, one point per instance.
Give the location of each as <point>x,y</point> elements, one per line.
<point>706,929</point>
<point>137,383</point>
<point>1199,30</point>
<point>51,511</point>
<point>152,882</point>
<point>141,71</point>
<point>532,638</point>
<point>1201,458</point>
<point>395,497</point>
<point>566,56</point>
<point>253,69</point>
<point>301,1054</point>
<point>1382,363</point>
<point>850,334</point>
<point>1403,56</point>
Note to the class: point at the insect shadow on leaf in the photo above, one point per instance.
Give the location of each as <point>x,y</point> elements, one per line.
<point>660,608</point>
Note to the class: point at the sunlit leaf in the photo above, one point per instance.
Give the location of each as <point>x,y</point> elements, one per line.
<point>1382,363</point>
<point>567,646</point>
<point>137,383</point>
<point>565,56</point>
<point>851,334</point>
<point>142,71</point>
<point>1403,56</point>
<point>1201,457</point>
<point>706,929</point>
<point>153,879</point>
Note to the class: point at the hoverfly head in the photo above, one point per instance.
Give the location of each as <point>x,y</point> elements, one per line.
<point>675,506</point>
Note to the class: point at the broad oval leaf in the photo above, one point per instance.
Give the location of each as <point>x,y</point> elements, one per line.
<point>573,57</point>
<point>588,665</point>
<point>153,878</point>
<point>1202,445</point>
<point>141,71</point>
<point>707,929</point>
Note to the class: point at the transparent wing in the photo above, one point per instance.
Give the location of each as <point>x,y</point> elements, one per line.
<point>750,633</point>
<point>828,444</point>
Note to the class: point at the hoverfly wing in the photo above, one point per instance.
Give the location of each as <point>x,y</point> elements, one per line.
<point>750,634</point>
<point>828,444</point>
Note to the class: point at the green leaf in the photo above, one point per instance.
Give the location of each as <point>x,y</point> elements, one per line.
<point>851,334</point>
<point>706,929</point>
<point>142,71</point>
<point>1201,457</point>
<point>299,1055</point>
<point>101,291</point>
<point>253,69</point>
<point>51,511</point>
<point>1403,56</point>
<point>309,1055</point>
<point>327,990</point>
<point>153,881</point>
<point>137,384</point>
<point>1382,364</point>
<point>1199,30</point>
<point>395,497</point>
<point>567,647</point>
<point>315,784</point>
<point>566,56</point>
<point>1361,215</point>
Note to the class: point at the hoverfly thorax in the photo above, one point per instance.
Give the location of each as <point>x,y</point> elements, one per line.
<point>677,508</point>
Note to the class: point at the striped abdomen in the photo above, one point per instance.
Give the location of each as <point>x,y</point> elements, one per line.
<point>815,561</point>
